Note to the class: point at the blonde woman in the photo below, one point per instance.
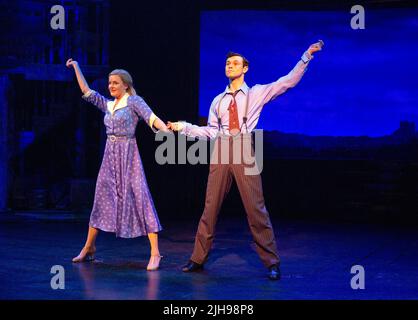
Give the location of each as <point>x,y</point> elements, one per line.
<point>122,201</point>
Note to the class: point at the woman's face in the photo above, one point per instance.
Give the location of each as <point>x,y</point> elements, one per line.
<point>116,86</point>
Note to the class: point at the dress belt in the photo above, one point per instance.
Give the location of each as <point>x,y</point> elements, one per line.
<point>114,138</point>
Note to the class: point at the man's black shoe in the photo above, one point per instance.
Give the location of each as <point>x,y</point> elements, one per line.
<point>274,272</point>
<point>192,267</point>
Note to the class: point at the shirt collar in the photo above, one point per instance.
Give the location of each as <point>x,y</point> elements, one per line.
<point>122,103</point>
<point>244,88</point>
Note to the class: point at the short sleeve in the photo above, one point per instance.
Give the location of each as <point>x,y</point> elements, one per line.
<point>97,99</point>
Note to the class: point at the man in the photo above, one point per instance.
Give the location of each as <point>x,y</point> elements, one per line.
<point>235,110</point>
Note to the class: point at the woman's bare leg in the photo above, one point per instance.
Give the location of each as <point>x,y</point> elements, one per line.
<point>155,258</point>
<point>153,239</point>
<point>87,253</point>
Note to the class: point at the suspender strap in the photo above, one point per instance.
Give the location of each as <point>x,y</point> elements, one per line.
<point>244,119</point>
<point>219,115</point>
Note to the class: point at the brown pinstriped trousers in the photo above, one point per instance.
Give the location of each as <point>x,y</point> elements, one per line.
<point>251,191</point>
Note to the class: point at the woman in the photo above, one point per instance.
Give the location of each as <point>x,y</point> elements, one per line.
<point>122,201</point>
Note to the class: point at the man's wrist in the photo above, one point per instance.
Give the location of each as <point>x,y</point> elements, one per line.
<point>306,57</point>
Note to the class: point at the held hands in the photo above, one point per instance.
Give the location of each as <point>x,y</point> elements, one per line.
<point>160,125</point>
<point>163,127</point>
<point>316,47</point>
<point>175,126</point>
<point>71,63</point>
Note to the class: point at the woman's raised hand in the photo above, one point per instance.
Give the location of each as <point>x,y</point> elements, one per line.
<point>70,63</point>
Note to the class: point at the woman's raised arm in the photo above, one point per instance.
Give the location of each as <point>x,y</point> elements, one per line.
<point>80,77</point>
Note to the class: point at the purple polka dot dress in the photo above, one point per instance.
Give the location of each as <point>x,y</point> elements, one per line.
<point>122,201</point>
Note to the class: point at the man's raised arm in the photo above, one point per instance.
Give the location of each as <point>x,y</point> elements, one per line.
<point>272,90</point>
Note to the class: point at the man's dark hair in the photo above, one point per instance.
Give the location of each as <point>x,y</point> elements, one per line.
<point>244,59</point>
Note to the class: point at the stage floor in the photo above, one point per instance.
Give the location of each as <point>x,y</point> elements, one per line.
<point>316,261</point>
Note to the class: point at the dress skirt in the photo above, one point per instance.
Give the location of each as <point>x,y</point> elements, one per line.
<point>122,201</point>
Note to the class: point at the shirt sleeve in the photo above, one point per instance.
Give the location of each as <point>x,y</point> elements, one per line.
<point>270,91</point>
<point>143,111</point>
<point>97,99</point>
<point>210,131</point>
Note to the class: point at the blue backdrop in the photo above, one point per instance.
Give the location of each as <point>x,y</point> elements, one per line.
<point>364,82</point>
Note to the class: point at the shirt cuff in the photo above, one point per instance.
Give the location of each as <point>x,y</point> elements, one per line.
<point>88,93</point>
<point>306,57</point>
<point>185,129</point>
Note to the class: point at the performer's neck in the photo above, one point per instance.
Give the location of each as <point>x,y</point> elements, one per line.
<point>235,84</point>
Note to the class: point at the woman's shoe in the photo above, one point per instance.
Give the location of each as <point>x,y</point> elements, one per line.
<point>85,256</point>
<point>154,262</point>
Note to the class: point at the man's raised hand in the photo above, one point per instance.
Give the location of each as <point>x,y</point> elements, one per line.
<point>316,47</point>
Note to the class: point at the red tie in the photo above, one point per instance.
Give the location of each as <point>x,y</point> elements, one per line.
<point>233,116</point>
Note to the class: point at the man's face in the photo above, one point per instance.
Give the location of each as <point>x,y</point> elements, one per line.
<point>234,67</point>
